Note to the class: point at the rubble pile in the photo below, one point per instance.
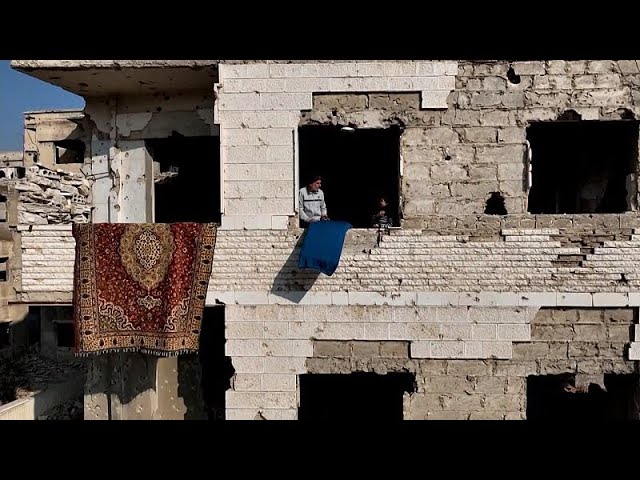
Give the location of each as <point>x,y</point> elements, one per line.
<point>49,196</point>
<point>70,410</point>
<point>30,373</point>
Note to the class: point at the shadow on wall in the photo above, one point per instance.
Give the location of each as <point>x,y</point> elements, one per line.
<point>292,283</point>
<point>128,374</point>
<point>10,373</point>
<point>203,379</point>
<point>190,387</point>
<point>57,394</point>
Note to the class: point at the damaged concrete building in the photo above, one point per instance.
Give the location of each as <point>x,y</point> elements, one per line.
<point>507,288</point>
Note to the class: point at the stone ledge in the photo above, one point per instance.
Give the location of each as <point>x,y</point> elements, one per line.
<point>423,298</point>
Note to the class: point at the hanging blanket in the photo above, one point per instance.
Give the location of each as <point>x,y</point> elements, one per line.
<point>141,287</point>
<point>322,246</point>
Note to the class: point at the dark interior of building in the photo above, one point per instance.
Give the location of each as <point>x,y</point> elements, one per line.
<point>65,334</point>
<point>5,335</point>
<point>355,396</point>
<point>70,151</point>
<point>555,397</point>
<point>357,166</point>
<point>193,195</point>
<point>581,166</point>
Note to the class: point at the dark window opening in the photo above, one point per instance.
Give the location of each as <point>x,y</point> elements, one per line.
<point>357,396</point>
<point>65,334</point>
<point>3,208</point>
<point>3,269</point>
<point>582,167</point>
<point>5,335</point>
<point>69,151</point>
<point>556,397</point>
<point>495,205</point>
<point>357,166</point>
<point>187,178</point>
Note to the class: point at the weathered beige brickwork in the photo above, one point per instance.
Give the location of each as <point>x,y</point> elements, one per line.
<point>454,296</point>
<point>573,341</point>
<point>258,108</point>
<point>275,340</point>
<point>401,269</point>
<point>454,158</point>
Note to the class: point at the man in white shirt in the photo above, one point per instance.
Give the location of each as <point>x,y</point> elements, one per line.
<point>311,204</point>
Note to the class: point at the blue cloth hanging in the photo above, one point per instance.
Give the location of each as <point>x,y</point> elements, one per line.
<point>322,245</point>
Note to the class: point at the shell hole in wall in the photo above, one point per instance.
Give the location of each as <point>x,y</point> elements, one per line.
<point>495,205</point>
<point>512,77</point>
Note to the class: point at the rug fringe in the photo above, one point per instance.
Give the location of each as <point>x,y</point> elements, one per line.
<point>146,351</point>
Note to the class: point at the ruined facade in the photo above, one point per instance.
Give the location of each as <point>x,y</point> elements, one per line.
<point>509,280</point>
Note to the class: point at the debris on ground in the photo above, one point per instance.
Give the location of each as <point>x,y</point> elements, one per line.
<point>30,373</point>
<point>69,410</point>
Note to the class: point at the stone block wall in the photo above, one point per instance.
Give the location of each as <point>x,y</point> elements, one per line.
<point>454,158</point>
<point>515,267</point>
<point>259,107</point>
<point>563,341</point>
<point>458,288</point>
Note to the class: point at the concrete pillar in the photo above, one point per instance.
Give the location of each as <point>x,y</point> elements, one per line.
<point>128,386</point>
<point>20,337</point>
<point>170,405</point>
<point>48,340</point>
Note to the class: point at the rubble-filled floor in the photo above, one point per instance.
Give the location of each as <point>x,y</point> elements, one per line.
<point>30,373</point>
<point>69,410</point>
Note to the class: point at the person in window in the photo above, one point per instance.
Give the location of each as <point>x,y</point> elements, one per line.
<point>382,216</point>
<point>311,204</point>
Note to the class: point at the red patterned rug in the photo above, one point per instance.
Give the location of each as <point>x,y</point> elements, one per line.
<point>141,287</point>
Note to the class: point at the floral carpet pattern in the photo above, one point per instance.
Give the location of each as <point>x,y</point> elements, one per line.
<point>141,287</point>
